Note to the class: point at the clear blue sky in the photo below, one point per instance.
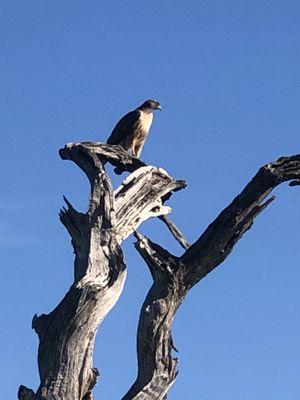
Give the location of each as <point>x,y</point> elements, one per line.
<point>228,76</point>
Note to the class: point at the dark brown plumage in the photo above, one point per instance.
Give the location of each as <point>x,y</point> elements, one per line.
<point>132,130</point>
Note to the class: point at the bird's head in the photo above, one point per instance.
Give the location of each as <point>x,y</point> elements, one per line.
<point>150,105</point>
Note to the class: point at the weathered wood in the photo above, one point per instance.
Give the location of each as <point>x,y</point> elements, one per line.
<point>175,231</point>
<point>67,334</point>
<point>113,154</point>
<point>218,240</point>
<point>25,394</point>
<point>156,366</point>
<point>174,276</point>
<point>134,199</point>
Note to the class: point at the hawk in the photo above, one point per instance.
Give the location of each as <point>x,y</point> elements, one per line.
<point>132,130</point>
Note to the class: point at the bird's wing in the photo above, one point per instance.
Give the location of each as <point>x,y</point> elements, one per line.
<point>124,127</point>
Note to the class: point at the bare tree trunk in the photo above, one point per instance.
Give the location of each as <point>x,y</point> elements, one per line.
<point>174,276</point>
<point>67,334</point>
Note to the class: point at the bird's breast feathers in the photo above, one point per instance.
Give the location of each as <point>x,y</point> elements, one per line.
<point>145,121</point>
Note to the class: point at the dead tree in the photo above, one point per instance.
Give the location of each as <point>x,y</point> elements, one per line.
<point>67,334</point>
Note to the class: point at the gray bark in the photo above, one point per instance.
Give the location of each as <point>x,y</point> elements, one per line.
<point>174,276</point>
<point>67,334</point>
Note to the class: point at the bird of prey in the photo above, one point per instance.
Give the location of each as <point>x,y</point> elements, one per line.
<point>132,130</point>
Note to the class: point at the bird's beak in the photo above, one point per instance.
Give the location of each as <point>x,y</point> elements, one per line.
<point>158,107</point>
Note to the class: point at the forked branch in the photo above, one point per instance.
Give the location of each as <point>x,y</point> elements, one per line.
<point>67,334</point>
<point>174,276</point>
